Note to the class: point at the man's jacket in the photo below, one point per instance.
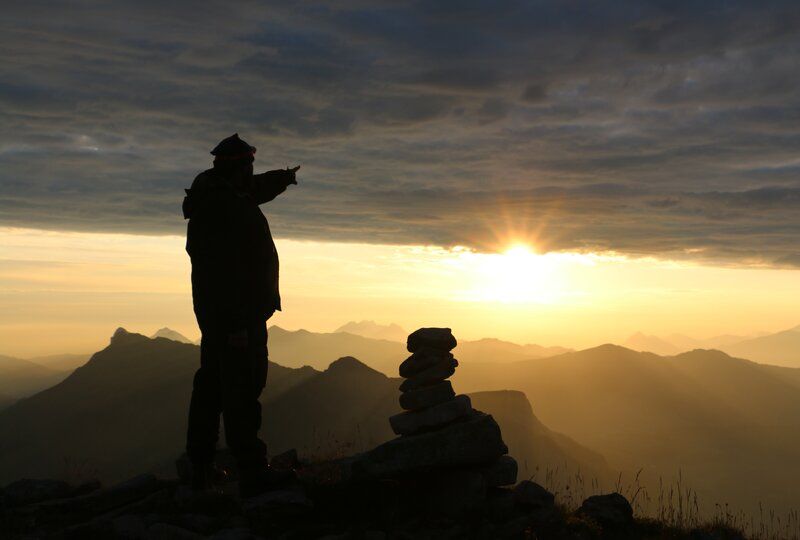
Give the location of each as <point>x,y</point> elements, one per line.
<point>234,260</point>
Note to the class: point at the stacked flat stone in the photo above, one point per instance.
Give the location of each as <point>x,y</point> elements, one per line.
<point>427,397</point>
<point>450,451</point>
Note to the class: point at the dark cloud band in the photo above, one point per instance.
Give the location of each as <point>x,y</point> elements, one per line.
<point>642,127</point>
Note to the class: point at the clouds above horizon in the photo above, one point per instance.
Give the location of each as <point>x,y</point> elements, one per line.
<point>649,128</point>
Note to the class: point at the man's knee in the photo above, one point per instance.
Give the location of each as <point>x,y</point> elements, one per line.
<point>205,381</point>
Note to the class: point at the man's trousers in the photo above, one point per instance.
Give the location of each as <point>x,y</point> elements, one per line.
<point>229,382</point>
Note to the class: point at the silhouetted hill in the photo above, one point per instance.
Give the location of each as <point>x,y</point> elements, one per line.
<point>121,413</point>
<point>780,349</point>
<point>124,412</point>
<point>341,410</point>
<point>5,401</point>
<point>730,425</point>
<point>20,378</point>
<point>169,333</point>
<point>373,330</point>
<point>787,374</point>
<point>526,435</point>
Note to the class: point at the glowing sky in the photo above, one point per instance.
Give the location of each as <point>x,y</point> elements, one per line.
<point>69,291</point>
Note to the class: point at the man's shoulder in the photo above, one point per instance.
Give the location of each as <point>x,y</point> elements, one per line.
<point>209,196</point>
<point>207,179</point>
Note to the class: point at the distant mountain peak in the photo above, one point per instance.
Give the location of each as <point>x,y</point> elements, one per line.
<point>169,333</point>
<point>119,333</point>
<point>347,364</point>
<point>373,330</point>
<point>611,348</point>
<point>122,336</point>
<point>640,341</point>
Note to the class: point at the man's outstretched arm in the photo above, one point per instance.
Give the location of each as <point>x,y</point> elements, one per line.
<point>270,184</point>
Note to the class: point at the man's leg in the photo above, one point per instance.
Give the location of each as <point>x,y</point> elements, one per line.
<point>244,375</point>
<point>206,403</point>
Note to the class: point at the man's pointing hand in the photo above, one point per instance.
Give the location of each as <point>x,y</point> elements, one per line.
<point>292,173</point>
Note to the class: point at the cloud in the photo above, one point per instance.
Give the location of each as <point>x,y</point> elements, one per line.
<point>666,130</point>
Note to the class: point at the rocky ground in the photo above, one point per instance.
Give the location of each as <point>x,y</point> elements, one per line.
<point>323,503</point>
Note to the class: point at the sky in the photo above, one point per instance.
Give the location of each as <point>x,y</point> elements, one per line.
<point>641,156</point>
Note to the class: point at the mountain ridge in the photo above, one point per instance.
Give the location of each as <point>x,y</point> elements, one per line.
<point>141,386</point>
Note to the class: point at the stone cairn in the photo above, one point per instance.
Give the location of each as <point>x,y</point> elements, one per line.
<point>455,453</point>
<point>427,395</point>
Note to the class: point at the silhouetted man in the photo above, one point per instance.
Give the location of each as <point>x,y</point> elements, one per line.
<point>235,291</point>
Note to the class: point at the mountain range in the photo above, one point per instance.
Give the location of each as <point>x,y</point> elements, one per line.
<point>727,426</point>
<point>780,348</point>
<point>301,347</point>
<point>125,412</point>
<point>722,422</point>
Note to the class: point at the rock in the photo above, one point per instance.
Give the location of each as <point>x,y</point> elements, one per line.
<point>432,375</point>
<point>29,491</point>
<point>164,531</point>
<point>184,468</point>
<point>715,532</point>
<point>278,497</point>
<point>531,496</point>
<point>427,396</point>
<point>240,533</point>
<point>501,505</point>
<point>129,528</point>
<point>225,467</point>
<point>410,422</point>
<point>86,488</point>
<point>454,494</point>
<point>209,503</point>
<point>196,523</point>
<point>422,360</point>
<point>520,527</point>
<point>98,502</point>
<point>277,504</point>
<point>285,460</point>
<point>95,528</point>
<point>436,338</point>
<point>475,440</point>
<point>610,511</point>
<point>327,473</point>
<point>502,472</point>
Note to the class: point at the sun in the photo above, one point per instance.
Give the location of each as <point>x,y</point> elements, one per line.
<point>516,275</point>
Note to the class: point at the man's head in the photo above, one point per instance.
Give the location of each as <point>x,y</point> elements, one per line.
<point>233,158</point>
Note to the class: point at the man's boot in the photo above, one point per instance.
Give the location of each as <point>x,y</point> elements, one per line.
<point>206,476</point>
<point>254,482</point>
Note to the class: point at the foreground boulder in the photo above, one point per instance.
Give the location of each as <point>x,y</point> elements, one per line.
<point>29,491</point>
<point>473,441</point>
<point>532,496</point>
<point>610,511</point>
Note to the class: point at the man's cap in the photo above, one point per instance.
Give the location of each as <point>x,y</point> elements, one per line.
<point>233,148</point>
